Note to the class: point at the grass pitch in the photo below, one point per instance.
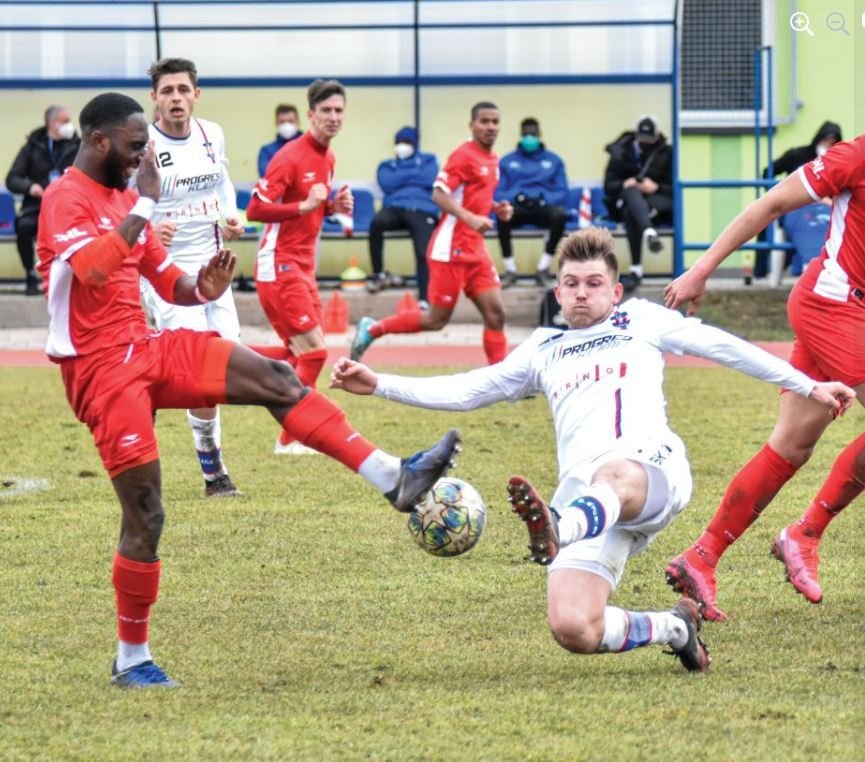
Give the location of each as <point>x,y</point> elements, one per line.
<point>305,624</point>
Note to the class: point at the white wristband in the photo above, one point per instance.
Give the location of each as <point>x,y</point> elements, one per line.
<point>201,298</point>
<point>144,207</point>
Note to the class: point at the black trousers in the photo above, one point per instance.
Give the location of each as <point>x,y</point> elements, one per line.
<point>552,218</point>
<point>420,226</point>
<point>640,212</point>
<point>25,232</point>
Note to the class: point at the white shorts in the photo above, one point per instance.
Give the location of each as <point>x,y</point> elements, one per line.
<point>670,486</point>
<point>219,315</point>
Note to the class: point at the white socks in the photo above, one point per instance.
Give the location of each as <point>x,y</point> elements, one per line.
<point>207,435</point>
<point>545,261</point>
<point>626,630</point>
<point>130,654</point>
<point>595,511</point>
<point>510,264</point>
<point>381,470</point>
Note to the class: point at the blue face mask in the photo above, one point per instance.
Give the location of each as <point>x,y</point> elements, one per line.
<point>530,143</point>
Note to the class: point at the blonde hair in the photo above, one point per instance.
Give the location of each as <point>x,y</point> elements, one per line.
<point>589,244</point>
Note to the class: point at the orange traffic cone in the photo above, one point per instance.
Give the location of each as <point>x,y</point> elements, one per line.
<point>336,314</point>
<point>585,213</point>
<point>407,304</point>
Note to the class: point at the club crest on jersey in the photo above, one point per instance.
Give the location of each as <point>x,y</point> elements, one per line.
<point>620,319</point>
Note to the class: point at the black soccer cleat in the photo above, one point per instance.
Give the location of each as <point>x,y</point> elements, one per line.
<point>418,473</point>
<point>694,655</point>
<point>221,486</point>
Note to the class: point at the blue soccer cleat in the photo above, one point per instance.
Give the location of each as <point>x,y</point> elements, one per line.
<point>144,675</point>
<point>362,339</point>
<point>421,471</point>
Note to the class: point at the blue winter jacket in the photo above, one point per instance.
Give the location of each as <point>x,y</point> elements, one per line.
<point>268,151</point>
<point>408,183</point>
<point>537,175</point>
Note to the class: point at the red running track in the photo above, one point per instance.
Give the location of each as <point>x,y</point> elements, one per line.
<point>420,356</point>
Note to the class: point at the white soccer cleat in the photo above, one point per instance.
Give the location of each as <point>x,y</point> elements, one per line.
<point>293,448</point>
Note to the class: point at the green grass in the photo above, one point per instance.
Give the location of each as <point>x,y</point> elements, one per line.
<point>305,624</point>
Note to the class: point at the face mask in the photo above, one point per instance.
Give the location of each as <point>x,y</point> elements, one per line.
<point>530,143</point>
<point>821,150</point>
<point>286,130</point>
<point>403,150</point>
<point>66,131</point>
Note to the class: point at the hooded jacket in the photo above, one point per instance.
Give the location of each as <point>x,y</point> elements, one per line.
<point>540,174</point>
<point>35,163</point>
<point>408,183</point>
<point>791,160</point>
<point>654,162</point>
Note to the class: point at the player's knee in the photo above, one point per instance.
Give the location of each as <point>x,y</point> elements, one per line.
<point>576,631</point>
<point>435,321</point>
<point>281,384</point>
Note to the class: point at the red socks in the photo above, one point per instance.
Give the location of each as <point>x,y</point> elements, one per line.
<point>495,346</point>
<point>751,490</point>
<point>308,367</point>
<point>845,483</point>
<point>275,353</point>
<point>402,322</point>
<point>320,424</point>
<point>136,586</point>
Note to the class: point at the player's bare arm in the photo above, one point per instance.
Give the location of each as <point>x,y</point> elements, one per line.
<point>690,286</point>
<point>353,377</point>
<point>445,201</point>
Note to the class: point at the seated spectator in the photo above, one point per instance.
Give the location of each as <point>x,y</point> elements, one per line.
<point>827,136</point>
<point>533,180</point>
<point>407,183</point>
<point>46,155</point>
<point>287,129</point>
<point>638,188</point>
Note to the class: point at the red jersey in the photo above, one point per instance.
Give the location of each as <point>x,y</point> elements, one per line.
<point>470,176</point>
<point>840,173</point>
<point>83,319</point>
<point>295,168</point>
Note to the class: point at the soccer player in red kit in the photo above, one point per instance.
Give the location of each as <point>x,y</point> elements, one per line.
<point>94,243</point>
<point>292,198</point>
<point>457,254</point>
<point>826,310</point>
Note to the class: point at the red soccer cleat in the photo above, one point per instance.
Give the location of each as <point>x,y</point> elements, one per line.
<point>691,576</point>
<point>798,553</point>
<point>542,525</point>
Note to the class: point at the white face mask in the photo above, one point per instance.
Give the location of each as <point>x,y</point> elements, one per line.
<point>66,131</point>
<point>821,150</point>
<point>403,150</point>
<point>286,130</point>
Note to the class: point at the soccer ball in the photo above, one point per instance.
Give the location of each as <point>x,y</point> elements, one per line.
<point>450,520</point>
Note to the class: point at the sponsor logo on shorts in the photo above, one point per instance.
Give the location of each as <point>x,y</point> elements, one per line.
<point>129,439</point>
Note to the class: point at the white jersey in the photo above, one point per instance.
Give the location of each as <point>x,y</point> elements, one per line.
<point>196,191</point>
<point>604,384</point>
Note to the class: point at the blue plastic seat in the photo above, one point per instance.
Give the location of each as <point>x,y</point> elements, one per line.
<point>7,213</point>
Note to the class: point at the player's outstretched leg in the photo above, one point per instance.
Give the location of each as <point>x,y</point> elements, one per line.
<point>362,339</point>
<point>418,473</point>
<point>689,575</point>
<point>694,655</point>
<point>540,521</point>
<point>144,675</point>
<point>798,552</point>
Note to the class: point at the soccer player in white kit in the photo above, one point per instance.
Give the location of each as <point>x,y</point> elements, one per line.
<point>196,213</point>
<point>623,474</point>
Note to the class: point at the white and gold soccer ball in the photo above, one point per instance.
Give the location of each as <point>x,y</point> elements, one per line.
<point>450,520</point>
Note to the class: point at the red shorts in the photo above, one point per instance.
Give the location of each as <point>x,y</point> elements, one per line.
<point>830,336</point>
<point>448,279</point>
<point>116,391</point>
<point>291,302</point>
